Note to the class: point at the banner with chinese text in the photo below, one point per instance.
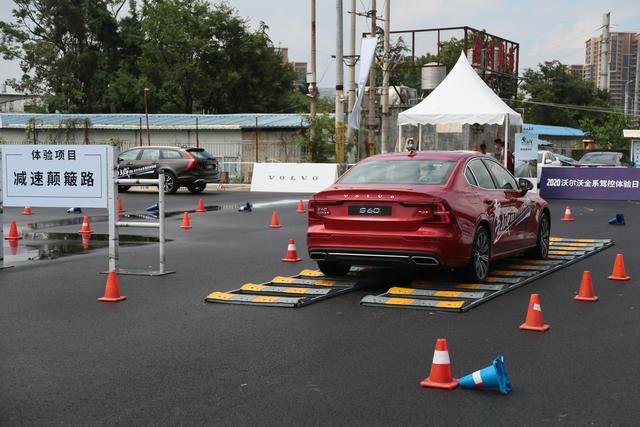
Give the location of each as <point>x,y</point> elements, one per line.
<point>590,183</point>
<point>55,175</point>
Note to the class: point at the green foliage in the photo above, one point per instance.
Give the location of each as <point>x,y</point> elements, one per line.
<point>608,134</point>
<point>319,139</point>
<point>552,83</point>
<point>408,75</point>
<point>193,57</point>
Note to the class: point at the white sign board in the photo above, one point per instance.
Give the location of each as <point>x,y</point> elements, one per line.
<point>293,177</point>
<point>55,175</point>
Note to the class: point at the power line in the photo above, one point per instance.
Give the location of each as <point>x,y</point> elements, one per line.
<point>572,107</point>
<point>560,46</point>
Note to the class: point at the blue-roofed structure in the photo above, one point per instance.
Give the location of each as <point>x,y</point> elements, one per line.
<point>561,131</point>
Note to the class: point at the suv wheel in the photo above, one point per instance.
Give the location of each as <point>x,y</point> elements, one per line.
<point>330,268</point>
<point>170,183</point>
<point>197,188</point>
<point>478,267</point>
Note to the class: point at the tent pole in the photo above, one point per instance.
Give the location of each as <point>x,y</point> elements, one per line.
<point>506,140</point>
<point>399,143</point>
<point>419,137</point>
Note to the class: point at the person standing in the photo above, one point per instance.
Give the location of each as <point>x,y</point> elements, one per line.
<point>502,150</point>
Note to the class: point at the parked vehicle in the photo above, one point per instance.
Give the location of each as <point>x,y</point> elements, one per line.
<point>448,209</point>
<point>603,159</point>
<point>545,159</point>
<point>191,167</point>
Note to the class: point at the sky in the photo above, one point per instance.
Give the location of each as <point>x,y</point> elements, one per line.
<point>545,29</point>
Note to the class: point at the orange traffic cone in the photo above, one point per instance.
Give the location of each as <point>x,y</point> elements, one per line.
<point>534,321</point>
<point>567,214</point>
<point>618,269</point>
<point>111,291</point>
<point>13,232</point>
<point>300,207</point>
<point>440,375</point>
<point>120,208</point>
<point>86,227</point>
<point>26,211</point>
<point>200,207</point>
<point>186,224</point>
<point>586,289</point>
<point>292,253</point>
<point>275,223</point>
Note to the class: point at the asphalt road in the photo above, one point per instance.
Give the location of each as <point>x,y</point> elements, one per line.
<point>163,357</point>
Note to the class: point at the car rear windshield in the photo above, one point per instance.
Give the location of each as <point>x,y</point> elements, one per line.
<point>600,158</point>
<point>434,172</point>
<point>200,154</point>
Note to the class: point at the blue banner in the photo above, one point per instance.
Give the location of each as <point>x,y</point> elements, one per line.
<point>608,183</point>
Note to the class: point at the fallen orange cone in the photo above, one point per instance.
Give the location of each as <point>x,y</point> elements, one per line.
<point>292,253</point>
<point>300,207</point>
<point>26,210</point>
<point>186,223</point>
<point>111,291</point>
<point>200,208</point>
<point>86,227</point>
<point>275,223</point>
<point>618,269</point>
<point>13,232</point>
<point>440,375</point>
<point>586,289</point>
<point>567,214</point>
<point>534,321</point>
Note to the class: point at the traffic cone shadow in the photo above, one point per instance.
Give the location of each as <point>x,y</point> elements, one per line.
<point>586,289</point>
<point>13,246</point>
<point>493,376</point>
<point>618,269</point>
<point>111,290</point>
<point>440,375</point>
<point>534,320</point>
<point>120,208</point>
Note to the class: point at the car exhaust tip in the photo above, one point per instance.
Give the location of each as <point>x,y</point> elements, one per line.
<point>318,256</point>
<point>424,260</point>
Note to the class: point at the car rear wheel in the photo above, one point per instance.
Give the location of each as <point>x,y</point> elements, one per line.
<point>330,268</point>
<point>478,267</point>
<point>170,183</point>
<point>123,188</point>
<point>197,188</point>
<point>542,241</point>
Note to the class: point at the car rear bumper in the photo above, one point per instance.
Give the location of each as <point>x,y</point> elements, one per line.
<point>192,179</point>
<point>374,257</point>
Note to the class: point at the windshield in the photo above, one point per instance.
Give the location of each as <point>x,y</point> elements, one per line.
<point>200,154</point>
<point>433,172</point>
<point>610,158</point>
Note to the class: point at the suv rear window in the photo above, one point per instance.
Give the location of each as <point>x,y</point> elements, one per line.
<point>434,172</point>
<point>200,154</point>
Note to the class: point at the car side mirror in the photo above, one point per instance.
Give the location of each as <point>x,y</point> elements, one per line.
<point>547,161</point>
<point>525,185</point>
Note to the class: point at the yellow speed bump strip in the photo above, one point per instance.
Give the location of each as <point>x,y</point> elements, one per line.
<point>250,287</point>
<point>281,280</point>
<point>410,302</point>
<point>311,273</point>
<point>562,253</point>
<point>250,299</point>
<point>567,248</point>
<point>480,286</point>
<point>513,273</point>
<point>501,279</point>
<point>434,293</point>
<point>540,262</point>
<point>529,267</point>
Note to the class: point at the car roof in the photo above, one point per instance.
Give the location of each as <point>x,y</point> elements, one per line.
<point>171,147</point>
<point>428,155</point>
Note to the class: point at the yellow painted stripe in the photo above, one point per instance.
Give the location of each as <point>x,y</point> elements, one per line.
<point>577,245</point>
<point>450,304</point>
<point>502,273</point>
<point>533,261</point>
<point>555,239</point>
<point>422,282</point>
<point>400,301</point>
<point>220,295</point>
<point>265,299</point>
<point>586,240</point>
<point>324,282</point>
<point>469,286</point>
<point>448,294</point>
<point>252,287</point>
<point>565,248</point>
<point>519,267</point>
<point>311,273</point>
<point>560,253</point>
<point>400,291</point>
<point>493,279</point>
<point>282,279</point>
<point>297,290</point>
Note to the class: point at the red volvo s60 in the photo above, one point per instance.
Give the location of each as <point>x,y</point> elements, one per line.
<point>432,208</point>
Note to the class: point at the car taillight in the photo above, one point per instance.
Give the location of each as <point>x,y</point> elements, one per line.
<point>440,213</point>
<point>192,160</point>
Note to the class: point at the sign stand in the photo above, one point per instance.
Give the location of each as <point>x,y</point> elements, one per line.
<point>2,266</point>
<point>115,224</point>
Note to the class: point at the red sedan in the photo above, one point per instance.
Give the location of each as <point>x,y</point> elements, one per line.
<point>432,208</point>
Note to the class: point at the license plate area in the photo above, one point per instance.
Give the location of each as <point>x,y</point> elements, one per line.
<point>360,210</point>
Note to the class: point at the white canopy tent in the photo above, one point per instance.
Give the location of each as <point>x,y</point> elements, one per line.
<point>462,98</point>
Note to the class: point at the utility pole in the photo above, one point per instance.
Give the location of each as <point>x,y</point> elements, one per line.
<point>339,85</point>
<point>146,115</point>
<point>352,67</point>
<point>313,92</point>
<point>384,135</point>
<point>604,53</point>
<point>371,137</point>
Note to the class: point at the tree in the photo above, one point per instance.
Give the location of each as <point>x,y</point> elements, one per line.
<point>66,48</point>
<point>551,83</point>
<point>608,134</point>
<point>318,140</point>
